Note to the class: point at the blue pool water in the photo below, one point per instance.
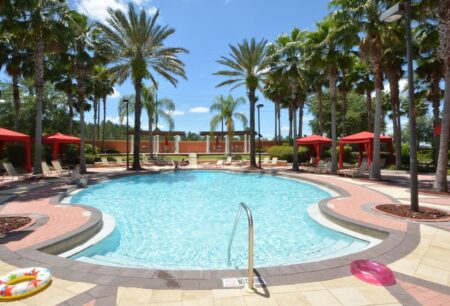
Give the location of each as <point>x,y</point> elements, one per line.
<point>184,220</point>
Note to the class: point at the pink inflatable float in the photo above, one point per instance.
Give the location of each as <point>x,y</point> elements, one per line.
<point>372,272</point>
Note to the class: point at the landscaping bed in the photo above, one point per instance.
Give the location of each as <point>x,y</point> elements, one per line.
<point>9,224</point>
<point>424,213</point>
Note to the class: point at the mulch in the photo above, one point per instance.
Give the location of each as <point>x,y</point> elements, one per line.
<point>8,224</point>
<point>424,213</point>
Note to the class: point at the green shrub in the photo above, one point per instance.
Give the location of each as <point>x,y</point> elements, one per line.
<point>91,158</point>
<point>111,151</point>
<point>285,152</point>
<point>350,157</point>
<point>16,155</point>
<point>88,148</point>
<point>71,154</point>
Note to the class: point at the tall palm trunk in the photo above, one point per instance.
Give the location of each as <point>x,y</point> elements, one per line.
<point>395,104</point>
<point>279,122</point>
<point>344,113</point>
<point>16,99</point>
<point>436,93</point>
<point>98,118</point>
<point>38,59</point>
<point>333,98</point>
<point>375,171</point>
<point>150,134</point>
<point>291,118</point>
<point>440,183</point>
<point>104,123</point>
<point>70,104</point>
<point>230,135</point>
<point>94,136</point>
<point>276,116</point>
<point>320,100</point>
<point>252,100</point>
<point>137,125</point>
<point>81,93</point>
<point>369,110</point>
<point>295,145</point>
<point>300,120</point>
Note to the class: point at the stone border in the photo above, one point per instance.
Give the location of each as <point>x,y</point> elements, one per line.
<point>397,245</point>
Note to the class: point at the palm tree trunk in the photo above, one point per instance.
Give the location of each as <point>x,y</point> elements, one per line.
<point>333,98</point>
<point>375,172</point>
<point>275,107</point>
<point>81,92</point>
<point>16,99</point>
<point>395,102</point>
<point>230,135</point>
<point>137,125</point>
<point>94,136</point>
<point>320,100</point>
<point>295,145</point>
<point>150,135</point>
<point>300,120</point>
<point>98,119</point>
<point>440,183</point>
<point>436,102</point>
<point>369,109</point>
<point>38,59</point>
<point>104,123</point>
<point>70,104</point>
<point>290,123</point>
<point>252,100</point>
<point>344,113</point>
<point>279,121</point>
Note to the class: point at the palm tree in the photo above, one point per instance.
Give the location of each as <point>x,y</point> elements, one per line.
<point>442,11</point>
<point>137,42</point>
<point>276,90</point>
<point>227,113</point>
<point>286,55</point>
<point>44,23</point>
<point>345,84</point>
<point>365,15</point>
<point>327,44</point>
<point>13,56</point>
<point>364,85</point>
<point>247,66</point>
<point>156,108</point>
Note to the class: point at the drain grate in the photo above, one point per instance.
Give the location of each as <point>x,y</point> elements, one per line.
<point>241,282</point>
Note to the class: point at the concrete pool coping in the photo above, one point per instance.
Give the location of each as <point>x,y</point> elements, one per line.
<point>396,245</point>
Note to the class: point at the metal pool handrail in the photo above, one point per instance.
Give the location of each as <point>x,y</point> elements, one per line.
<point>250,241</point>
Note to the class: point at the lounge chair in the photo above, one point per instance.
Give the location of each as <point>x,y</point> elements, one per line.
<point>46,169</point>
<point>220,163</point>
<point>59,169</point>
<point>266,160</point>
<point>145,160</point>
<point>324,166</point>
<point>311,162</point>
<point>12,172</point>
<point>274,161</point>
<point>228,161</point>
<point>105,161</point>
<point>355,172</point>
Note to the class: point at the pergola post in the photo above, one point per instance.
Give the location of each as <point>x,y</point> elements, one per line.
<point>208,139</point>
<point>132,144</point>
<point>157,145</point>
<point>226,144</point>
<point>177,144</point>
<point>245,143</point>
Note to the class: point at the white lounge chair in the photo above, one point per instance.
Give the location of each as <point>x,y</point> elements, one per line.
<point>105,161</point>
<point>12,172</point>
<point>355,172</point>
<point>59,169</point>
<point>46,169</point>
<point>274,161</point>
<point>219,163</point>
<point>228,161</point>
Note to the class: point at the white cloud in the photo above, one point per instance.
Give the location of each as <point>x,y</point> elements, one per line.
<point>402,84</point>
<point>115,94</point>
<point>98,9</point>
<point>199,109</point>
<point>285,128</point>
<point>116,120</point>
<point>175,113</point>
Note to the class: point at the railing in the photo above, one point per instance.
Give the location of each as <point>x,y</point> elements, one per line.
<point>250,241</point>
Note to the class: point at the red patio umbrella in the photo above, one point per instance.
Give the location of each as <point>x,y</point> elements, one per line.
<point>365,142</point>
<point>314,143</point>
<point>11,136</point>
<point>58,140</point>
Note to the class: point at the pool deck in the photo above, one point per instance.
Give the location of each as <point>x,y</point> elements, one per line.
<point>418,253</point>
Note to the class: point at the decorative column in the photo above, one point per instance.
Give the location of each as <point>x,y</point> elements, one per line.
<point>157,145</point>
<point>245,143</point>
<point>177,144</point>
<point>208,139</point>
<point>226,144</point>
<point>132,144</point>
<point>154,144</point>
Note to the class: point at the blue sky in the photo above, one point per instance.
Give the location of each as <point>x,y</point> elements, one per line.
<point>206,28</point>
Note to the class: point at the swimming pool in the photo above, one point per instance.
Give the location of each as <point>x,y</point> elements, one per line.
<point>183,220</point>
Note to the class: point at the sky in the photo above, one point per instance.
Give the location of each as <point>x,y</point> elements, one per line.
<point>206,28</point>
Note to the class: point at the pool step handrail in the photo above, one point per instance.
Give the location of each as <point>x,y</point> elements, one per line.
<point>250,241</point>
